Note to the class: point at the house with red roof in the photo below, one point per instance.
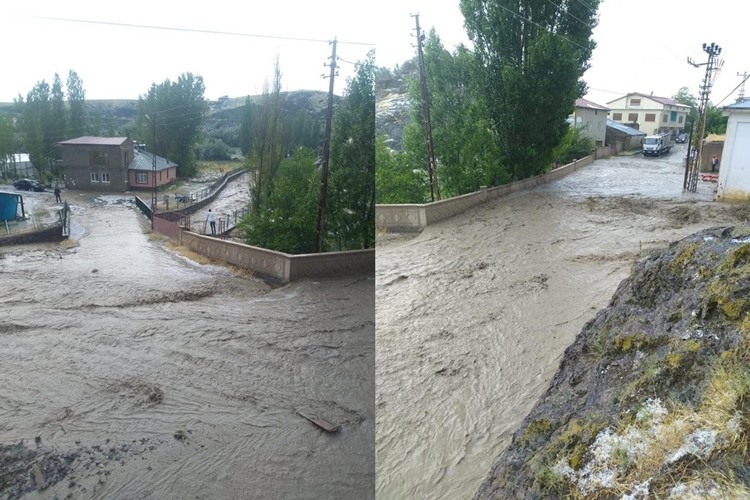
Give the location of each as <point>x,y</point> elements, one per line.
<point>112,164</point>
<point>649,113</point>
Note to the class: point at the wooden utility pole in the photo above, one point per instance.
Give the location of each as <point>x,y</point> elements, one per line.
<point>712,66</point>
<point>426,123</point>
<point>326,156</point>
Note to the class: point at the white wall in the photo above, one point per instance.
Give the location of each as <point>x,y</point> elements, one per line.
<point>734,170</point>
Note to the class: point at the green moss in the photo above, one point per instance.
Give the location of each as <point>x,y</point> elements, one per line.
<point>635,341</point>
<point>535,430</point>
<point>682,261</point>
<point>574,441</point>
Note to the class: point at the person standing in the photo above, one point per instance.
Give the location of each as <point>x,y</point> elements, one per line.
<point>714,163</point>
<point>57,195</point>
<point>212,222</point>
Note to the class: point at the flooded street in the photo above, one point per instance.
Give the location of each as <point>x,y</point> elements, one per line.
<point>130,371</point>
<point>474,313</point>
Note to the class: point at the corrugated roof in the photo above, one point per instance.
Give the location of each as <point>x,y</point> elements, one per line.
<point>585,103</point>
<point>739,105</point>
<point>624,128</point>
<point>96,141</point>
<point>143,160</point>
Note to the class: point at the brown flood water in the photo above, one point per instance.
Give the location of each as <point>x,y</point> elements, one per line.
<point>474,313</point>
<point>158,377</point>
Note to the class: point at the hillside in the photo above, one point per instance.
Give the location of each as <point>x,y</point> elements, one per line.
<point>223,120</point>
<point>651,400</point>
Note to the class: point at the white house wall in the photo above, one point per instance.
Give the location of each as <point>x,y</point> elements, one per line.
<point>734,171</point>
<point>647,106</point>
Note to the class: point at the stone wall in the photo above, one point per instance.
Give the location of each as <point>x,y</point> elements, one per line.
<point>415,217</point>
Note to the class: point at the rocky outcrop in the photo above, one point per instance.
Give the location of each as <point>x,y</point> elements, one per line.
<point>652,400</point>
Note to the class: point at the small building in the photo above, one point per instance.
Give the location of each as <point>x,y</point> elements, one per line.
<point>629,137</point>
<point>112,164</point>
<point>591,119</point>
<point>734,170</point>
<point>712,145</point>
<point>649,113</point>
<point>17,166</point>
<point>9,205</point>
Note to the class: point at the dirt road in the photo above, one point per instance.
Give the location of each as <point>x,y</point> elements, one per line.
<point>474,313</point>
<point>130,371</point>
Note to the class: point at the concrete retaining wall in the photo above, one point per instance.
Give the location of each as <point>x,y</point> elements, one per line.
<point>280,266</point>
<point>415,217</point>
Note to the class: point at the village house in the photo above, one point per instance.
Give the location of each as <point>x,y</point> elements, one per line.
<point>17,166</point>
<point>591,119</point>
<point>112,164</point>
<point>649,113</point>
<point>734,169</point>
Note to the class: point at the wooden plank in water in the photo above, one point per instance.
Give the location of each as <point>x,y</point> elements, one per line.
<point>323,424</point>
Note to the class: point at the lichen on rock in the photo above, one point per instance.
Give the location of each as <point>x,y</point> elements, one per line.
<point>651,398</point>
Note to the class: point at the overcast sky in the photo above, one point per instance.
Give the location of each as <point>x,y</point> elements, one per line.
<point>117,59</point>
<point>642,45</point>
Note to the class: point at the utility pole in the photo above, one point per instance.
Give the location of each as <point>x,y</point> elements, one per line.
<point>426,123</point>
<point>713,65</point>
<point>153,171</point>
<point>326,155</point>
<point>741,93</point>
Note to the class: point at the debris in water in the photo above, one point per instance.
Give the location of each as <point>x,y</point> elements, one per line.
<point>323,424</point>
<point>181,435</point>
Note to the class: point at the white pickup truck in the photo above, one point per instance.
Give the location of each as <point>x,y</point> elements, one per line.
<point>655,145</point>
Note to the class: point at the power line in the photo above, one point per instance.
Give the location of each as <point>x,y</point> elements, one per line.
<point>195,30</point>
<point>542,27</point>
<point>747,76</point>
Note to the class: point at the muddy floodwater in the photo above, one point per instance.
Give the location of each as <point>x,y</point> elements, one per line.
<point>130,371</point>
<point>474,313</point>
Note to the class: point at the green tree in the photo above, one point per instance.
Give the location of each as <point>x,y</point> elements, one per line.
<point>176,111</point>
<point>716,122</point>
<point>7,146</point>
<point>36,127</point>
<point>531,55</point>
<point>58,120</point>
<point>465,148</point>
<point>350,214</point>
<point>683,96</point>
<point>77,119</point>
<point>269,141</point>
<point>286,221</point>
<point>246,126</point>
<point>395,180</point>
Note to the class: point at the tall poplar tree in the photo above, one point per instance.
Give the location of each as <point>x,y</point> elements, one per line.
<point>351,194</point>
<point>77,119</point>
<point>268,139</point>
<point>532,55</point>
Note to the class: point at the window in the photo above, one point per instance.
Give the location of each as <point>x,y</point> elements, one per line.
<point>633,117</point>
<point>105,177</point>
<point>126,159</point>
<point>650,117</point>
<point>673,116</point>
<point>635,102</point>
<point>141,178</point>
<point>94,176</point>
<point>98,158</point>
<point>664,118</point>
<point>617,117</point>
<point>679,119</point>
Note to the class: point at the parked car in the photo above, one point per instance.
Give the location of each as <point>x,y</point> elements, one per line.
<point>28,185</point>
<point>682,138</point>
